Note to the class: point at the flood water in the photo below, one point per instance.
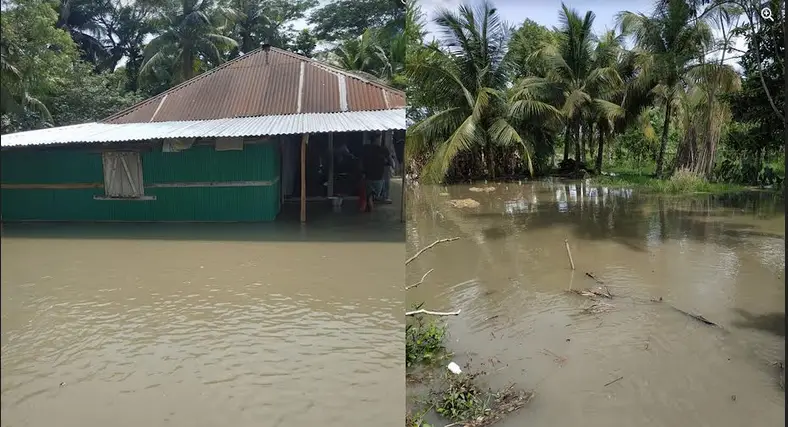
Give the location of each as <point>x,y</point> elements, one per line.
<point>204,325</point>
<point>719,257</point>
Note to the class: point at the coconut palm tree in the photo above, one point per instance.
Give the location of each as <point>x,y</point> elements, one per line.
<point>669,44</point>
<point>703,114</point>
<point>581,75</point>
<point>190,35</point>
<point>610,53</point>
<point>466,82</point>
<point>364,55</point>
<point>258,21</point>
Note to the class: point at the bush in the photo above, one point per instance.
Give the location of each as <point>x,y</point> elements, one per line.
<point>462,400</point>
<point>423,341</point>
<point>686,181</point>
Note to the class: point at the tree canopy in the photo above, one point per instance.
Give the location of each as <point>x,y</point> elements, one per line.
<point>671,99</point>
<point>72,61</point>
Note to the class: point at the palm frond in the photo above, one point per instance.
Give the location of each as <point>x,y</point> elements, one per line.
<point>463,138</point>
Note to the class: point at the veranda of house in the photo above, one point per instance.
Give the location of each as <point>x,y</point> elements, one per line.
<point>233,144</point>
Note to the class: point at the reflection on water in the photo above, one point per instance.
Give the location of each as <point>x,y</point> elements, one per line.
<point>720,256</point>
<point>142,325</point>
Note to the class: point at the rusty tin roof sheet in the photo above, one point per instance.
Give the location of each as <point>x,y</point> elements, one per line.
<point>262,84</point>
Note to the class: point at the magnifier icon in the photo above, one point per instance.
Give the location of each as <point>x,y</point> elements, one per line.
<point>766,14</point>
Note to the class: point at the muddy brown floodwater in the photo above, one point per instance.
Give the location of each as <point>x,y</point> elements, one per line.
<point>720,257</point>
<point>203,325</point>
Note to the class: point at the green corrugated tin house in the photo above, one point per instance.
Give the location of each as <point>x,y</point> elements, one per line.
<point>223,146</point>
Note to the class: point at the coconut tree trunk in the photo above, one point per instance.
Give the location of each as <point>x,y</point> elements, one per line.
<point>578,136</point>
<point>567,141</point>
<point>664,143</point>
<point>187,64</point>
<point>490,160</point>
<point>247,43</point>
<point>599,151</point>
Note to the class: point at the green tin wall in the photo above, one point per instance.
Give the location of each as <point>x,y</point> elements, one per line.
<point>201,163</point>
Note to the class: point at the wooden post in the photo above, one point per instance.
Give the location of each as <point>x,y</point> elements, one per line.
<point>402,206</point>
<point>304,140</point>
<point>568,252</point>
<point>330,192</point>
<point>282,142</point>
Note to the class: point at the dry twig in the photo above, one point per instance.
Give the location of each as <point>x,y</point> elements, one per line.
<point>422,311</point>
<point>420,281</point>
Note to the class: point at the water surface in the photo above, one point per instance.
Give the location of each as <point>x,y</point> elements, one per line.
<point>204,325</point>
<point>719,256</point>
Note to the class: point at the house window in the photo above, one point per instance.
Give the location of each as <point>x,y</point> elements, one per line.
<point>123,176</point>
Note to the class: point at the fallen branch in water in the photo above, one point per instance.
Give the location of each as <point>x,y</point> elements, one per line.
<point>591,293</point>
<point>598,308</point>
<point>614,381</point>
<point>421,310</point>
<point>507,402</point>
<point>594,277</point>
<point>425,249</point>
<point>697,317</point>
<point>432,313</point>
<point>560,360</point>
<point>420,281</point>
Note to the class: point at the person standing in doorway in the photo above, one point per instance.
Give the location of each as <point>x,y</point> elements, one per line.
<point>374,161</point>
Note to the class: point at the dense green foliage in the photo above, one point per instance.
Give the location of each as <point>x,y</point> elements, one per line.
<point>423,341</point>
<point>665,91</point>
<point>74,61</point>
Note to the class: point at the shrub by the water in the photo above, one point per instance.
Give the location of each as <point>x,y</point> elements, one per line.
<point>423,341</point>
<point>462,399</point>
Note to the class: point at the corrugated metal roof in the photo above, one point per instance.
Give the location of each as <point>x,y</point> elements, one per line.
<point>262,84</point>
<point>240,127</point>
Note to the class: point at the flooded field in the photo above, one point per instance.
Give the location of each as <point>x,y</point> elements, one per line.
<point>638,362</point>
<point>204,325</point>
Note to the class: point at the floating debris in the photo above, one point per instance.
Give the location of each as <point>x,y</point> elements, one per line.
<point>482,189</point>
<point>595,279</point>
<point>560,360</point>
<point>593,293</point>
<point>464,203</point>
<point>454,368</point>
<point>597,308</point>
<point>504,404</point>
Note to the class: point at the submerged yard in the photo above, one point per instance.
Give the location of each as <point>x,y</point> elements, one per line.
<point>635,359</point>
